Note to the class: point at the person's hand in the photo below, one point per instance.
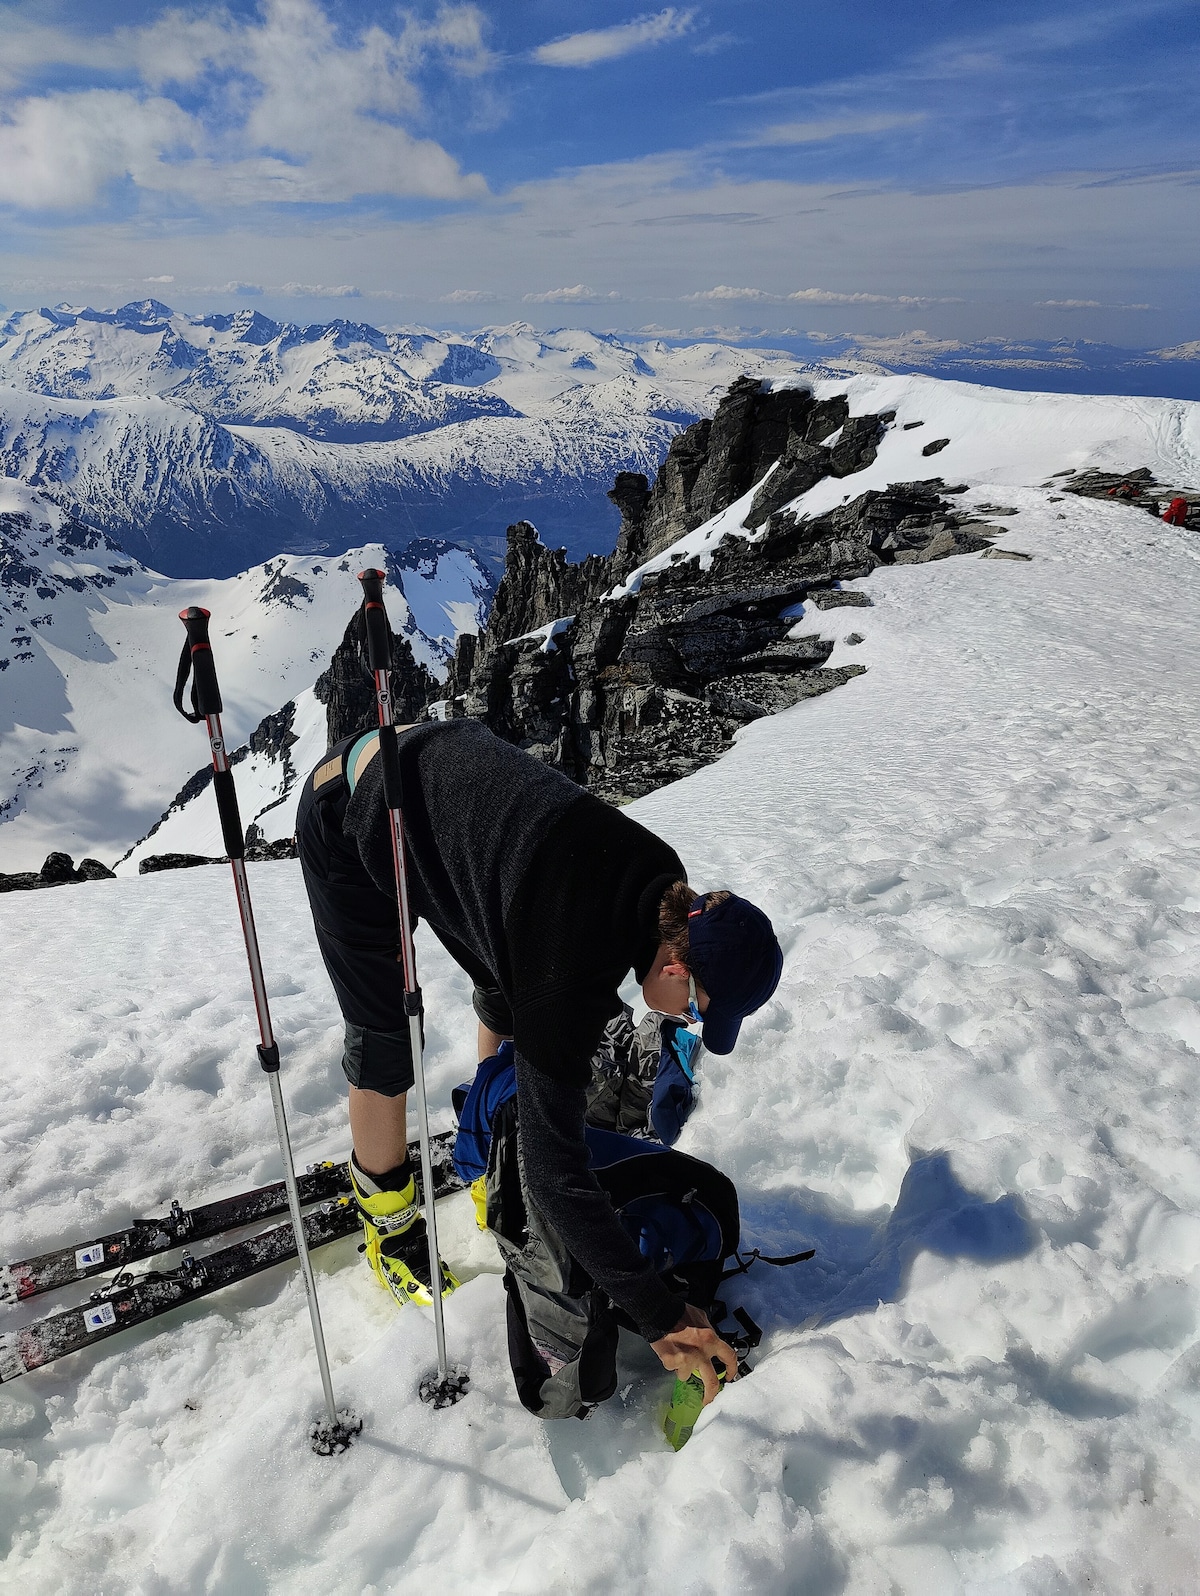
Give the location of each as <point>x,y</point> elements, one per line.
<point>690,1348</point>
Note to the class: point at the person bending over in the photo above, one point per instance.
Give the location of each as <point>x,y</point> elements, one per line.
<point>546,897</point>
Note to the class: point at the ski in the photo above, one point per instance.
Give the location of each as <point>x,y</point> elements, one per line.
<point>146,1238</point>
<point>129,1300</point>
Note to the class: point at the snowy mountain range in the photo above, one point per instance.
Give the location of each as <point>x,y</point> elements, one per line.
<point>91,749</point>
<point>204,444</point>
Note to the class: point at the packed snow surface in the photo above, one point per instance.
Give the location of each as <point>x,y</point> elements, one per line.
<point>975,1093</point>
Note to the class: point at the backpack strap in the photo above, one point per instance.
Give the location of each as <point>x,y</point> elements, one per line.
<point>743,1264</point>
<point>358,756</point>
<point>346,762</point>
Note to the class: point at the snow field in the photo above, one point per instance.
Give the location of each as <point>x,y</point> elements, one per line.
<point>975,1092</point>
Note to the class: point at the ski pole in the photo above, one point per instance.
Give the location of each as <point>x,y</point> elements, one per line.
<point>451,1383</point>
<point>338,1428</point>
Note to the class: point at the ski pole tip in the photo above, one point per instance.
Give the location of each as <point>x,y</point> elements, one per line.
<point>329,1437</point>
<point>443,1391</point>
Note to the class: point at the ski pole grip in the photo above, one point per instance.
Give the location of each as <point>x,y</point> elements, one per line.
<point>206,693</point>
<point>379,639</point>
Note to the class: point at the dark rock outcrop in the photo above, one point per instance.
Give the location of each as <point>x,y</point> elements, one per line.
<point>1138,488</point>
<point>58,870</point>
<point>154,862</point>
<point>347,687</point>
<point>632,689</point>
<point>713,463</point>
<point>93,870</point>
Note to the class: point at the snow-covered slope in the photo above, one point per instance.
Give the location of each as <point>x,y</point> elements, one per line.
<point>91,749</point>
<point>992,437</point>
<point>975,1093</point>
<point>204,443</point>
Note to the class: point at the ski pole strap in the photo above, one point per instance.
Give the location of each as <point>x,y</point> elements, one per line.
<point>197,661</point>
<point>379,637</point>
<point>743,1264</point>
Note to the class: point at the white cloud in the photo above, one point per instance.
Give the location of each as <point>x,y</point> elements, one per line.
<point>285,110</point>
<point>715,43</point>
<point>468,296</point>
<point>724,291</point>
<point>834,128</point>
<point>581,294</point>
<point>319,291</point>
<point>609,44</point>
<point>829,296</point>
<point>167,277</point>
<point>61,150</point>
<point>815,296</point>
<point>1085,304</point>
<point>241,290</point>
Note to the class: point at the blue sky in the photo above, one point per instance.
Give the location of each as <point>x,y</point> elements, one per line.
<point>1016,170</point>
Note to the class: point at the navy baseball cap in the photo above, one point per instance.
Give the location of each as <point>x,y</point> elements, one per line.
<point>735,955</point>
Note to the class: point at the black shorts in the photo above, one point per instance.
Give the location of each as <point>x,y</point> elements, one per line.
<point>358,933</point>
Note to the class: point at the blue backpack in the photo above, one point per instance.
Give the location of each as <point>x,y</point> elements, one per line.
<point>680,1212</point>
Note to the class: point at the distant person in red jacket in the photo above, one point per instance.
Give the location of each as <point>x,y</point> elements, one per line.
<point>1175,513</point>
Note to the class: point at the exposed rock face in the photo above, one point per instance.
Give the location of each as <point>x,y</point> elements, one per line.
<point>153,862</point>
<point>715,462</point>
<point>1138,488</point>
<point>347,687</point>
<point>58,870</point>
<point>627,693</point>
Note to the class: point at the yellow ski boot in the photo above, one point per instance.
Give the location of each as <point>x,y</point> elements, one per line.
<point>396,1244</point>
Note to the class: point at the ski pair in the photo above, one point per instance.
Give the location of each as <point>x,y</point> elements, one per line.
<point>146,1238</point>
<point>129,1300</point>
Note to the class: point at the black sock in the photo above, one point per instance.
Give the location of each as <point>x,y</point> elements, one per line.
<point>392,1180</point>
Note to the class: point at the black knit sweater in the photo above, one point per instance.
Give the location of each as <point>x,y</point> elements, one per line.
<point>543,891</point>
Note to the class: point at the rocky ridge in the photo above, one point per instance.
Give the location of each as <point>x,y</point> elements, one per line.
<point>625,678</point>
<point>58,870</point>
<point>1138,488</point>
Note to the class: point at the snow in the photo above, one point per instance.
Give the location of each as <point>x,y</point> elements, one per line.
<point>91,749</point>
<point>544,635</point>
<point>975,1092</point>
<point>997,437</point>
<point>268,792</point>
<point>178,433</point>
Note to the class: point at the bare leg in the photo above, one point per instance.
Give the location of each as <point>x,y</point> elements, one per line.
<point>378,1126</point>
<point>489,1042</point>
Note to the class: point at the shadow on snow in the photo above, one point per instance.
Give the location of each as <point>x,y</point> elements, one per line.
<point>862,1262</point>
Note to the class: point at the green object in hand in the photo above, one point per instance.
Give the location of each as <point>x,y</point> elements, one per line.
<point>687,1402</point>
